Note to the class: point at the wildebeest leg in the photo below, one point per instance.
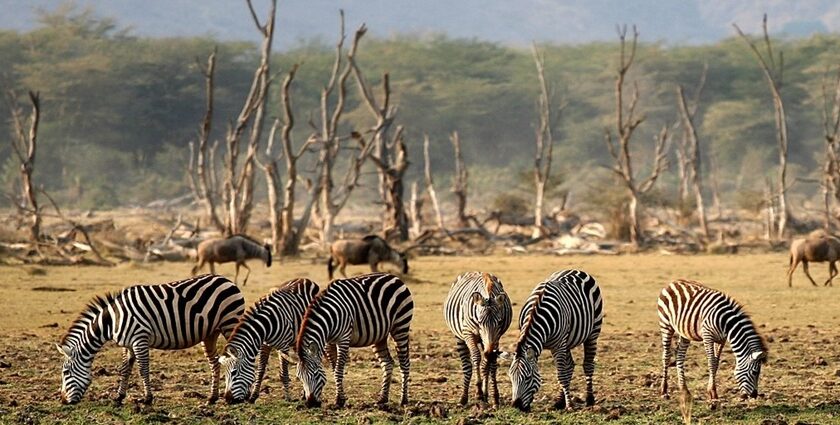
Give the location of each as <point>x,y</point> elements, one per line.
<point>248,273</point>
<point>236,275</point>
<point>212,267</point>
<point>832,271</point>
<point>794,261</point>
<point>805,267</point>
<point>342,267</point>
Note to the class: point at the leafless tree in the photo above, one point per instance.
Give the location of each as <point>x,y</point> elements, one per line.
<point>692,151</point>
<point>773,70</point>
<point>626,123</point>
<point>430,183</point>
<point>416,211</point>
<point>460,182</point>
<point>25,144</point>
<point>544,141</point>
<point>831,130</point>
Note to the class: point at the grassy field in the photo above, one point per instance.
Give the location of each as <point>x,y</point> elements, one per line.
<point>800,324</point>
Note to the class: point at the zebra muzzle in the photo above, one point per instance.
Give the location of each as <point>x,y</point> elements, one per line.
<point>312,402</point>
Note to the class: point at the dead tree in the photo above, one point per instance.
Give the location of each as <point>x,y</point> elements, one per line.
<point>202,166</point>
<point>460,182</point>
<point>389,153</point>
<point>830,181</point>
<point>692,151</point>
<point>773,70</point>
<point>332,197</point>
<point>415,208</point>
<point>430,183</point>
<point>626,123</point>
<point>24,144</point>
<point>544,140</point>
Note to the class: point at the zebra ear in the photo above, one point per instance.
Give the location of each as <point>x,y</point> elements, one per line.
<point>63,350</point>
<point>477,298</point>
<point>312,349</point>
<point>505,355</point>
<point>759,356</point>
<point>499,299</point>
<point>530,353</point>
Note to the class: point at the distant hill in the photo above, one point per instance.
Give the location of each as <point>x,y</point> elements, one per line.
<point>509,22</point>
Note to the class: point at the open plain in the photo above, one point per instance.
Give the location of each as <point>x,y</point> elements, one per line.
<point>800,384</point>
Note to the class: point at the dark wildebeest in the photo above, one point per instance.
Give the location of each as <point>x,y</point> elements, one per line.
<point>371,249</point>
<point>818,247</point>
<point>236,248</point>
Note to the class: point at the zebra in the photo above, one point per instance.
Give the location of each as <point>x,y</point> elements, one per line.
<point>562,312</point>
<point>698,313</point>
<point>168,316</point>
<point>272,322</point>
<point>478,312</point>
<point>355,312</point>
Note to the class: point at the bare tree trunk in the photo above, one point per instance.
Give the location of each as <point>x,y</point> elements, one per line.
<point>207,191</point>
<point>544,141</point>
<point>713,174</point>
<point>25,146</point>
<point>430,184</point>
<point>416,211</point>
<point>773,72</point>
<point>460,182</point>
<point>831,130</point>
<point>694,156</point>
<point>625,126</point>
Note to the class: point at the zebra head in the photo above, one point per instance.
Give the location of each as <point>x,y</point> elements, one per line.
<point>239,376</point>
<point>747,372</point>
<point>311,373</point>
<point>489,312</point>
<point>525,377</point>
<point>75,374</point>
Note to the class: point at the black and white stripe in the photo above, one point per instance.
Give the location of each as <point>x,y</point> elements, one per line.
<point>478,312</point>
<point>169,316</point>
<point>698,313</point>
<point>356,312</point>
<point>562,312</point>
<point>272,323</point>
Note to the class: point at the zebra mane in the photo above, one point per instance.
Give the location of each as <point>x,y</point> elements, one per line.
<point>526,326</point>
<point>312,305</point>
<point>94,306</point>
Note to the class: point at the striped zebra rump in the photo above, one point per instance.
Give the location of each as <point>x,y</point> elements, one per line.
<point>271,323</point>
<point>173,315</point>
<point>695,312</point>
<point>478,312</point>
<point>356,312</point>
<point>562,312</point>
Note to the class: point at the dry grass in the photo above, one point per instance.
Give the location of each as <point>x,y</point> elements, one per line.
<point>799,322</point>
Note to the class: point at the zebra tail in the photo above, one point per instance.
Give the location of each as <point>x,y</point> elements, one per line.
<point>267,249</point>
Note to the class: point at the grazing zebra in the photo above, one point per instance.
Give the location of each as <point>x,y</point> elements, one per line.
<point>238,248</point>
<point>272,322</point>
<point>169,316</point>
<point>562,312</point>
<point>478,312</point>
<point>356,312</point>
<point>698,313</point>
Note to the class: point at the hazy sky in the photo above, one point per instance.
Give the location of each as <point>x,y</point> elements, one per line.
<point>515,22</point>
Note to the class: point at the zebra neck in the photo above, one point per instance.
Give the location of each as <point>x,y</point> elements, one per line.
<point>92,332</point>
<point>249,337</point>
<point>741,333</point>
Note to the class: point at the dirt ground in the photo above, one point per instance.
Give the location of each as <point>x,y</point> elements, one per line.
<point>800,384</point>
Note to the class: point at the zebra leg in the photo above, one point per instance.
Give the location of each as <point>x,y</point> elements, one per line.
<point>387,365</point>
<point>403,351</point>
<point>491,368</point>
<point>125,371</point>
<point>475,357</point>
<point>466,368</point>
<point>682,348</point>
<point>342,353</point>
<point>710,346</point>
<point>210,352</point>
<point>590,348</point>
<point>565,368</point>
<point>332,355</point>
<point>667,336</point>
<point>265,353</point>
<point>141,353</point>
<point>284,377</point>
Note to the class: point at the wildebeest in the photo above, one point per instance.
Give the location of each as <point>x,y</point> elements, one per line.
<point>238,248</point>
<point>819,247</point>
<point>371,249</point>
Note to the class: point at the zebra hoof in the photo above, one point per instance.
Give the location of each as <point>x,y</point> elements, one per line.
<point>464,400</point>
<point>404,402</point>
<point>714,404</point>
<point>666,397</point>
<point>590,400</point>
<point>560,404</point>
<point>339,402</point>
